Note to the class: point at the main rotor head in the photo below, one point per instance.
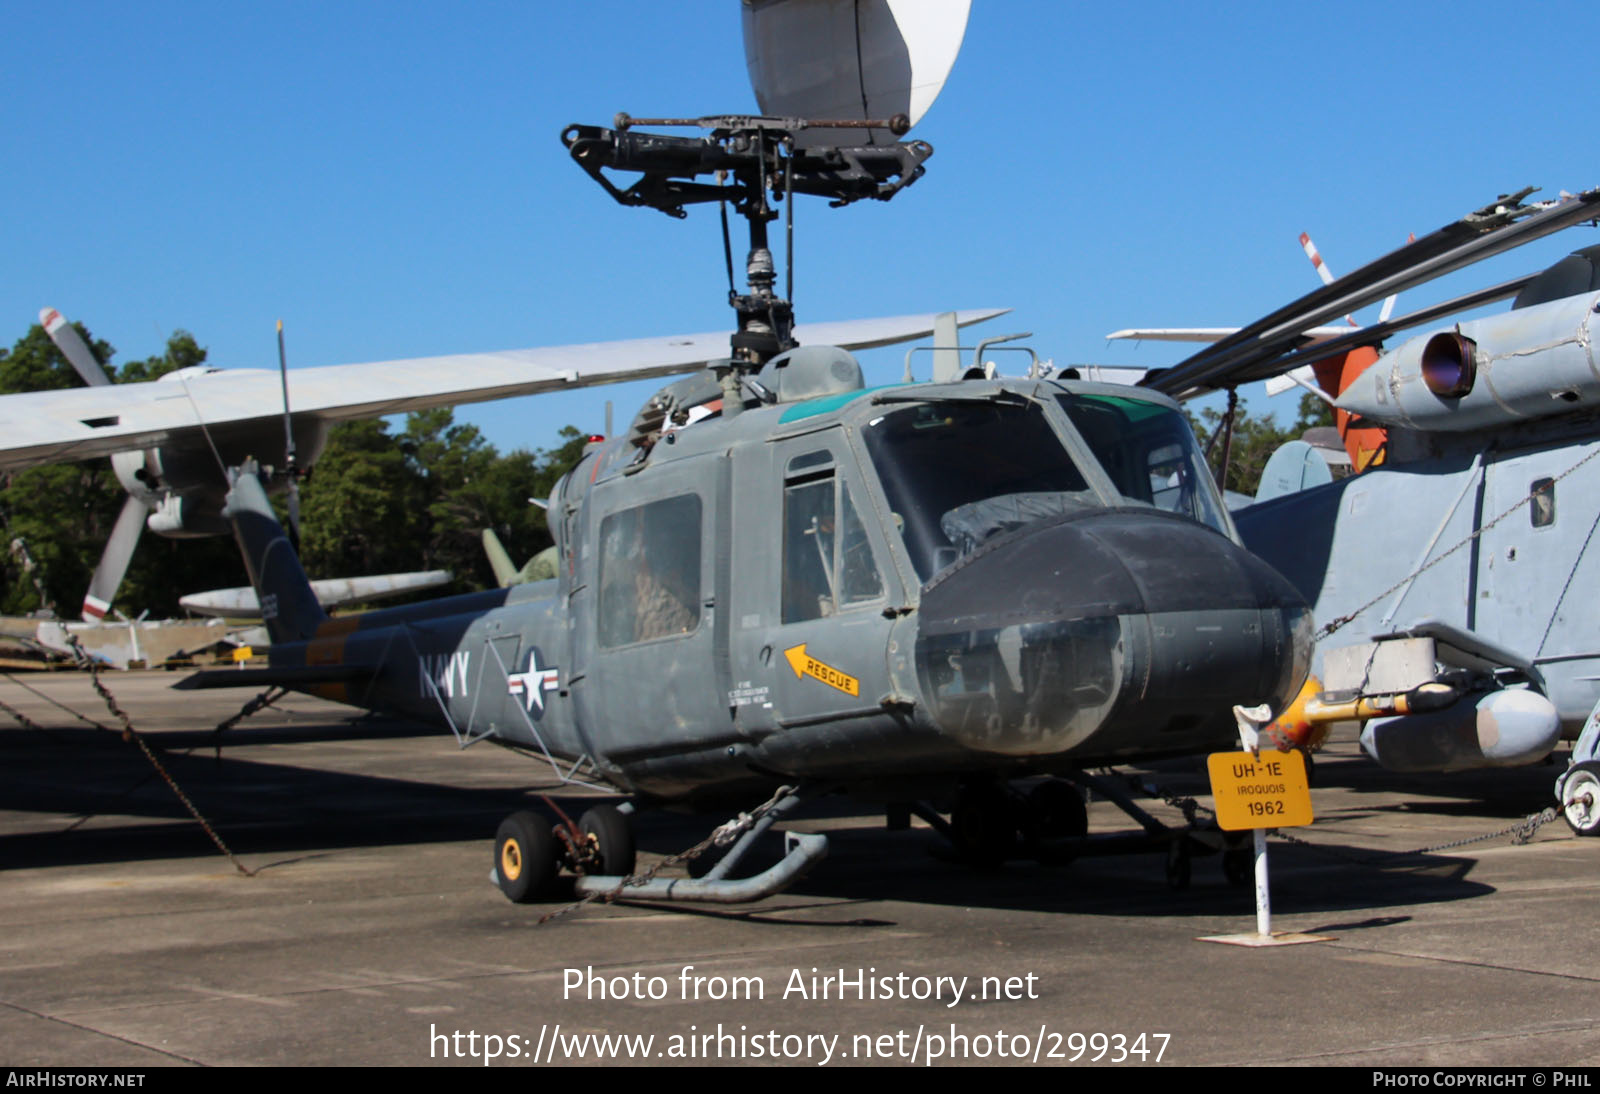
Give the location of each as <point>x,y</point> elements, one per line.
<point>758,163</point>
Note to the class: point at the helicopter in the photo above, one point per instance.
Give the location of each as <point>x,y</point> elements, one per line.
<point>1444,572</point>
<point>780,581</point>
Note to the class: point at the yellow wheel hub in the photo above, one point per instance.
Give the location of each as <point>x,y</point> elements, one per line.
<point>511,860</point>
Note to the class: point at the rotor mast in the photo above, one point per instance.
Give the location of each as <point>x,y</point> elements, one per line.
<point>756,161</point>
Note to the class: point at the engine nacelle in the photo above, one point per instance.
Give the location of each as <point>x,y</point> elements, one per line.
<point>1506,728</point>
<point>180,517</point>
<point>182,484</point>
<point>1533,362</point>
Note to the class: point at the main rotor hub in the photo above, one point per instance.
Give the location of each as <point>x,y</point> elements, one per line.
<point>753,159</point>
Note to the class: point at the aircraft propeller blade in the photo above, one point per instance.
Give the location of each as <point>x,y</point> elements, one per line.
<point>1322,268</point>
<point>130,522</point>
<point>114,560</point>
<point>72,347</point>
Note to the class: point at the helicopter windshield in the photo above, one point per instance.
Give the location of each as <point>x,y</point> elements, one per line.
<point>1149,453</point>
<point>957,473</point>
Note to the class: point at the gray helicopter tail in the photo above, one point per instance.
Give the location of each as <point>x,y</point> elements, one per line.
<point>288,605</point>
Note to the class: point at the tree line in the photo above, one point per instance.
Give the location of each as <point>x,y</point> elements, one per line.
<point>377,501</point>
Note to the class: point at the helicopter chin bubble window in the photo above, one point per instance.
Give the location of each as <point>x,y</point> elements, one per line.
<point>1449,365</point>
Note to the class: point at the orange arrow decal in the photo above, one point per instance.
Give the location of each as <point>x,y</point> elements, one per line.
<point>806,665</point>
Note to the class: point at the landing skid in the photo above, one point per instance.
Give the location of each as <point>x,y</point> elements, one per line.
<point>993,823</point>
<point>528,858</point>
<point>990,824</point>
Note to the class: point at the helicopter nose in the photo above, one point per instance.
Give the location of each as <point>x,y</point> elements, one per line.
<point>1107,633</point>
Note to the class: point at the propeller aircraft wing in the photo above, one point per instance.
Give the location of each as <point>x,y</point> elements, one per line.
<point>51,426</point>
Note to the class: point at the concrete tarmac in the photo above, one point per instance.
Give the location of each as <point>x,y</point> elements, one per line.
<point>370,933</point>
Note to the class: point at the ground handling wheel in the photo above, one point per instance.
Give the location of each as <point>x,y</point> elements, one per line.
<point>1239,865</point>
<point>983,826</point>
<point>1580,798</point>
<point>525,858</point>
<point>610,838</point>
<point>1054,811</point>
<point>1180,870</point>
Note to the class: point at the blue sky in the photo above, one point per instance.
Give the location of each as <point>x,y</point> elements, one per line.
<point>387,178</point>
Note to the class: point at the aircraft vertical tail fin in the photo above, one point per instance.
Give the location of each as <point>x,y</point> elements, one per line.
<point>505,571</point>
<point>289,607</point>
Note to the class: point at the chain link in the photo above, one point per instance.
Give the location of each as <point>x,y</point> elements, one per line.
<point>255,706</point>
<point>1521,832</point>
<point>131,734</point>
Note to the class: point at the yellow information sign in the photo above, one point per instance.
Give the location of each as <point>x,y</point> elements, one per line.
<point>1270,792</point>
<point>806,665</point>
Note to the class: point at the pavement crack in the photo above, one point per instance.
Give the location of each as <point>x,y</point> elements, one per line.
<point>1490,965</point>
<point>103,1033</point>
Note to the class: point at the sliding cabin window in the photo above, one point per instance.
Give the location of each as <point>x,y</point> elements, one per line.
<point>650,571</point>
<point>828,565</point>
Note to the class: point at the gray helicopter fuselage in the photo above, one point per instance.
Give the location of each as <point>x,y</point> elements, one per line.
<point>1466,556</point>
<point>884,588</point>
<point>1418,540</point>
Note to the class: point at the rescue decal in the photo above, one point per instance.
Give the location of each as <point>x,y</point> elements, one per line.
<point>532,685</point>
<point>806,665</point>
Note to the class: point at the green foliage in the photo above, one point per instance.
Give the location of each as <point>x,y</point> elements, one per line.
<point>65,513</point>
<point>1313,413</point>
<point>1254,439</point>
<point>418,500</point>
<point>34,363</point>
<point>182,352</point>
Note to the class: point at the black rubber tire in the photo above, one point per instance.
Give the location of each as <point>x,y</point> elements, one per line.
<point>1180,870</point>
<point>1239,865</point>
<point>983,827</point>
<point>1055,810</point>
<point>525,858</point>
<point>613,834</point>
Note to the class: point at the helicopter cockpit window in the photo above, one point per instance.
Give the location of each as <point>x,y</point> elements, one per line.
<point>650,571</point>
<point>828,565</point>
<point>1149,452</point>
<point>957,473</point>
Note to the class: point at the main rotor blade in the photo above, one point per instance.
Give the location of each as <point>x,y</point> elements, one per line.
<point>72,347</point>
<point>1458,244</point>
<point>1378,332</point>
<point>114,560</point>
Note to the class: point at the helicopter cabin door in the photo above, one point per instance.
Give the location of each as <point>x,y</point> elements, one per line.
<point>809,596</point>
<point>645,680</point>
